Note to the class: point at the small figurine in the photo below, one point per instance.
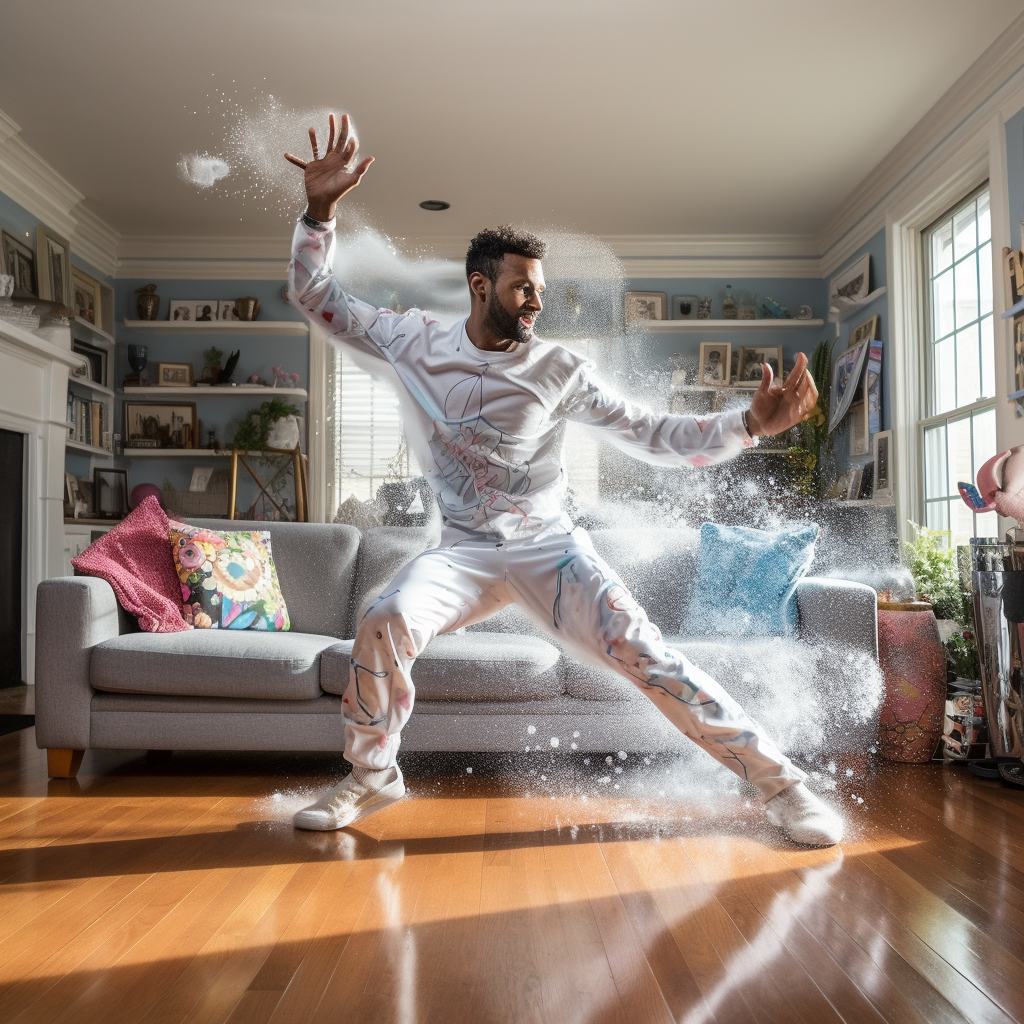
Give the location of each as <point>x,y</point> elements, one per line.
<point>256,381</point>
<point>285,380</point>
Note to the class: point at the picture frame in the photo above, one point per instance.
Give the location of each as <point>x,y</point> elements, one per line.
<point>200,478</point>
<point>1013,275</point>
<point>18,260</point>
<point>96,358</point>
<point>870,330</point>
<point>748,367</point>
<point>860,437</point>
<point>175,375</point>
<point>715,363</point>
<point>85,297</point>
<point>854,480</point>
<point>226,310</point>
<point>1018,354</point>
<point>110,493</point>
<point>641,306</point>
<point>882,459</point>
<point>852,283</point>
<point>684,307</point>
<point>53,263</point>
<point>846,376</point>
<point>160,425</point>
<point>72,494</point>
<point>193,310</point>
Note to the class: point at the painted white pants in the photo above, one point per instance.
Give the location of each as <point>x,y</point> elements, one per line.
<point>566,587</point>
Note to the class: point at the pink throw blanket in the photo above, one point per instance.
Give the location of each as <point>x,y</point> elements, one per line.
<point>135,559</point>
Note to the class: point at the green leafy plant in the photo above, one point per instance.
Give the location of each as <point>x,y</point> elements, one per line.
<point>932,563</point>
<point>813,435</point>
<point>212,357</point>
<point>254,429</point>
<point>962,654</point>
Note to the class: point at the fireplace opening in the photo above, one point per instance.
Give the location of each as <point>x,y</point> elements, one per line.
<point>12,498</point>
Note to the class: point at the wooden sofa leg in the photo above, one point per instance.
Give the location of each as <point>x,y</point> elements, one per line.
<point>62,763</point>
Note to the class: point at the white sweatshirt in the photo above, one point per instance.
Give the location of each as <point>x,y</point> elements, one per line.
<point>487,427</point>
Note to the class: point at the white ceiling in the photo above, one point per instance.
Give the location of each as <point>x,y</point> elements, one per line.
<point>653,117</point>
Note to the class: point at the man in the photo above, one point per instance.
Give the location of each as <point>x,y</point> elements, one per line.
<point>489,403</point>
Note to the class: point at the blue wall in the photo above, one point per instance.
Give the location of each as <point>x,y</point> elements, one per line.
<point>1015,174</point>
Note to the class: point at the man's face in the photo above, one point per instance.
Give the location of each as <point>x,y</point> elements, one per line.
<point>515,298</point>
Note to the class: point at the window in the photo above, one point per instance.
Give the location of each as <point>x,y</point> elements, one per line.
<point>959,430</point>
<point>365,444</point>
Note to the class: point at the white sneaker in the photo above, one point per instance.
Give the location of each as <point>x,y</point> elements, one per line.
<point>348,802</point>
<point>804,818</point>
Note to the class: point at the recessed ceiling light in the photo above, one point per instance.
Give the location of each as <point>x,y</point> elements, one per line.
<point>434,204</point>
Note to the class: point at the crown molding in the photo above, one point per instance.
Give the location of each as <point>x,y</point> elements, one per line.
<point>177,247</point>
<point>95,241</point>
<point>144,268</point>
<point>8,127</point>
<point>973,97</point>
<point>639,267</point>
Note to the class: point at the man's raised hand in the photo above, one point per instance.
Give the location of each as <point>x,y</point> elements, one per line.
<point>775,407</point>
<point>329,177</point>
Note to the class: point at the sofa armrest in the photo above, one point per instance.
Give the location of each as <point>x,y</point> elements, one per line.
<point>73,614</point>
<point>838,612</point>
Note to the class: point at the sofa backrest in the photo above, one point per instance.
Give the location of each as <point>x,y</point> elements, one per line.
<point>316,565</point>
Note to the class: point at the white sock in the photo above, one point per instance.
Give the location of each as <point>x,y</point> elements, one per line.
<point>372,779</point>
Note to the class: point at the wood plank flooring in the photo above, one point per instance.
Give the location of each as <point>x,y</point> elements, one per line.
<point>166,890</point>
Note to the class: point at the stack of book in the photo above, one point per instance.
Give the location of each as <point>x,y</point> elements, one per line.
<point>87,422</point>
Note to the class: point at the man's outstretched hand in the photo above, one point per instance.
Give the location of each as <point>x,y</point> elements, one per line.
<point>775,407</point>
<point>329,177</point>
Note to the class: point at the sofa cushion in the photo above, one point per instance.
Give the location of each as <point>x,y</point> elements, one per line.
<point>315,565</point>
<point>468,667</point>
<point>211,663</point>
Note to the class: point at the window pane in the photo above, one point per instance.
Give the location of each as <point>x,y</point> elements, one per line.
<point>942,247</point>
<point>984,218</point>
<point>959,452</point>
<point>944,376</point>
<point>936,515</point>
<point>968,367</point>
<point>942,305</point>
<point>965,236</point>
<point>988,359</point>
<point>935,463</point>
<point>963,522</point>
<point>985,277</point>
<point>966,273</point>
<point>984,438</point>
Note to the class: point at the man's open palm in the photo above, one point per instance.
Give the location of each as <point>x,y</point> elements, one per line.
<point>329,177</point>
<point>775,407</point>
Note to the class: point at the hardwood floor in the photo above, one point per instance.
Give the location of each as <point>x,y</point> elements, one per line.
<point>164,890</point>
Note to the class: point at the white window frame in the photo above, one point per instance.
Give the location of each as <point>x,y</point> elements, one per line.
<point>954,170</point>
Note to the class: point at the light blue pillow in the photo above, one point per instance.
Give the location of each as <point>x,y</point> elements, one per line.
<point>746,580</point>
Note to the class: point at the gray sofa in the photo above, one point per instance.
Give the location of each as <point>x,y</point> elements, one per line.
<point>503,685</point>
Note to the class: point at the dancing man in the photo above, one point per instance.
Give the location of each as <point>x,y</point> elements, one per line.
<point>486,419</point>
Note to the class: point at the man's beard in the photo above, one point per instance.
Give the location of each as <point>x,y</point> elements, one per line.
<point>505,324</point>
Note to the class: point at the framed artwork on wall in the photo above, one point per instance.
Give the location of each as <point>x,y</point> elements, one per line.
<point>85,294</point>
<point>642,306</point>
<point>19,261</point>
<point>715,362</point>
<point>160,425</point>
<point>749,368</point>
<point>53,260</point>
<point>870,330</point>
<point>845,378</point>
<point>851,283</point>
<point>175,375</point>
<point>110,493</point>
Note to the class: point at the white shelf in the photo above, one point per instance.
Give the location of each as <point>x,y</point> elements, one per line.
<point>221,326</point>
<point>91,385</point>
<point>156,391</point>
<point>179,453</point>
<point>93,330</point>
<point>772,324</point>
<point>839,314</point>
<point>92,449</point>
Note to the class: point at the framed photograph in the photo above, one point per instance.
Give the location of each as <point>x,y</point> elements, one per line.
<point>175,375</point>
<point>715,362</point>
<point>870,330</point>
<point>860,438</point>
<point>200,478</point>
<point>53,258</point>
<point>684,307</point>
<point>854,480</point>
<point>85,297</point>
<point>110,493</point>
<point>193,310</point>
<point>71,492</point>
<point>642,306</point>
<point>160,425</point>
<point>845,379</point>
<point>749,367</point>
<point>1013,275</point>
<point>852,283</point>
<point>96,371</point>
<point>19,261</point>
<point>883,466</point>
<point>226,310</point>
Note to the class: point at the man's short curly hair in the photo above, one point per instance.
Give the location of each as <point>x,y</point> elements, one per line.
<point>488,249</point>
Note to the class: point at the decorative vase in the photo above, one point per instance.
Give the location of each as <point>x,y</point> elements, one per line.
<point>247,307</point>
<point>914,668</point>
<point>148,303</point>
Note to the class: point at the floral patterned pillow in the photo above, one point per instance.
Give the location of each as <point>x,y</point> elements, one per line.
<point>228,580</point>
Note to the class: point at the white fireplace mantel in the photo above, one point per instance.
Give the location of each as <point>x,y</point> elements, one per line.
<point>34,367</point>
